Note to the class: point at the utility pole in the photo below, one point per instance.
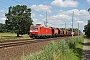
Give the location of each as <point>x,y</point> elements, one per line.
<point>78,29</point>
<point>65,26</point>
<point>46,19</point>
<point>72,22</point>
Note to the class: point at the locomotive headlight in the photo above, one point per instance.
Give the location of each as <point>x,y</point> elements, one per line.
<point>30,30</point>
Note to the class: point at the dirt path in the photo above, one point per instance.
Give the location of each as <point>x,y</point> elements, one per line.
<point>86,51</point>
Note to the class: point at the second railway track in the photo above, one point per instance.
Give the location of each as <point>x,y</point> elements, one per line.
<point>5,44</point>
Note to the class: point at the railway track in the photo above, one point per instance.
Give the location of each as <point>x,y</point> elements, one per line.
<point>11,43</point>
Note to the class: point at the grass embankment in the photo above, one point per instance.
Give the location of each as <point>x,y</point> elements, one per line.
<point>64,50</point>
<point>12,36</point>
<point>88,39</point>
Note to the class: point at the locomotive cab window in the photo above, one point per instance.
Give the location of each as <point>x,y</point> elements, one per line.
<point>34,27</point>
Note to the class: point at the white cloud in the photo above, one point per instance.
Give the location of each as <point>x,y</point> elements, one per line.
<point>41,7</point>
<point>65,3</point>
<point>1,10</point>
<point>78,14</point>
<point>2,18</point>
<point>3,15</point>
<point>36,21</point>
<point>33,15</point>
<point>41,15</point>
<point>79,21</point>
<point>67,15</point>
<point>62,17</point>
<point>88,1</point>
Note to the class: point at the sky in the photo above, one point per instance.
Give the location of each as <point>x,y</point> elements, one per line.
<point>59,12</point>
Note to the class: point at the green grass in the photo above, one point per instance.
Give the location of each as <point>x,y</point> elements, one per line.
<point>64,50</point>
<point>89,43</point>
<point>12,36</point>
<point>88,39</point>
<point>77,46</point>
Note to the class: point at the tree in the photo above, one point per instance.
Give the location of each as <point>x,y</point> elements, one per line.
<point>89,10</point>
<point>87,29</point>
<point>18,19</point>
<point>2,27</point>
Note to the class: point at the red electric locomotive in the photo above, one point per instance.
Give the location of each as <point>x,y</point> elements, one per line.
<point>40,31</point>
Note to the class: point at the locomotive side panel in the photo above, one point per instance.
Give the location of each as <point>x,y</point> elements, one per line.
<point>45,32</point>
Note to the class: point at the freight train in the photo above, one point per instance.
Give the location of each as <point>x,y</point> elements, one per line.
<point>38,31</point>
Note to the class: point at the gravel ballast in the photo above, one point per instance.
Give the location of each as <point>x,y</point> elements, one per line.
<point>17,51</point>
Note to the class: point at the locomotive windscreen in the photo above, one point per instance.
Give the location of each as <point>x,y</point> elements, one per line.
<point>34,27</point>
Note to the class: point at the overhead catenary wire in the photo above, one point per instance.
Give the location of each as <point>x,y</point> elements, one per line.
<point>19,3</point>
<point>30,5</point>
<point>32,9</point>
<point>4,2</point>
<point>27,3</point>
<point>16,1</point>
<point>3,7</point>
